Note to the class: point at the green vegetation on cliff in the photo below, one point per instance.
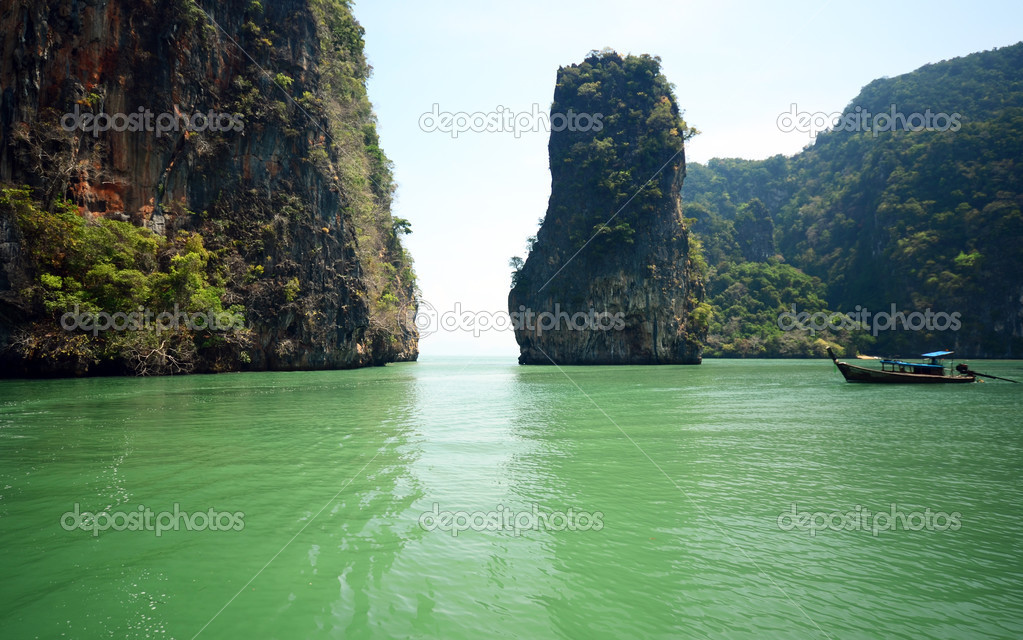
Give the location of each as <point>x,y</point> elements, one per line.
<point>87,269</point>
<point>636,128</point>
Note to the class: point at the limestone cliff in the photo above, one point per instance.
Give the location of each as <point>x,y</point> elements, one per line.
<point>240,134</point>
<point>613,245</point>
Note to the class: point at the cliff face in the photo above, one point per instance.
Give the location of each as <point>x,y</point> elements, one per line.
<point>610,278</point>
<point>241,136</point>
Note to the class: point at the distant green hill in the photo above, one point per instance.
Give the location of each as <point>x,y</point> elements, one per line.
<point>865,219</point>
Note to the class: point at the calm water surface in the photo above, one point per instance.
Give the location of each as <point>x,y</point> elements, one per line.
<point>468,498</point>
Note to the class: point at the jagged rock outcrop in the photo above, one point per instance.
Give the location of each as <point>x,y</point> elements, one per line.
<point>610,278</point>
<point>280,174</point>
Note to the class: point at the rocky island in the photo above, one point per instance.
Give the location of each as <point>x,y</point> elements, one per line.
<point>613,244</point>
<point>185,161</point>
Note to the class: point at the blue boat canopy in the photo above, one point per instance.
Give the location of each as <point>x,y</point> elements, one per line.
<point>937,354</point>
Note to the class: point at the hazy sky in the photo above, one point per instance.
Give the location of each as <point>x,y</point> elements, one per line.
<point>474,199</point>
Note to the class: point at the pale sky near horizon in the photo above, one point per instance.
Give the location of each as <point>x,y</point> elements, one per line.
<point>475,198</point>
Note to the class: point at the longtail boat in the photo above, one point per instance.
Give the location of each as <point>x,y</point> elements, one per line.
<point>902,372</point>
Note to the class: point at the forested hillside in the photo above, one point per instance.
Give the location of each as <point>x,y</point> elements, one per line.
<point>873,217</point>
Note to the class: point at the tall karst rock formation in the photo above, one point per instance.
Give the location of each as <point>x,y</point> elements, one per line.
<point>611,277</point>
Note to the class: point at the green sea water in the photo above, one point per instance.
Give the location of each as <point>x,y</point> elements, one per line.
<point>471,498</point>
